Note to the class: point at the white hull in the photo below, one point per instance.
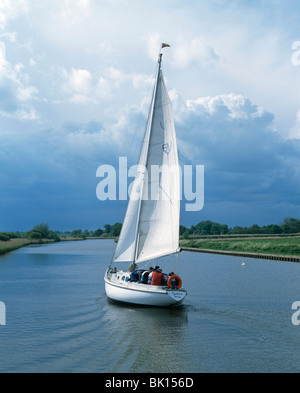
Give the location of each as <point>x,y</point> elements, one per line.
<point>141,294</point>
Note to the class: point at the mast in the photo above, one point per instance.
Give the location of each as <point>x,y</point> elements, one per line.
<point>147,155</point>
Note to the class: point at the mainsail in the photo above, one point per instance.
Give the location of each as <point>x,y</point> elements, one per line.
<point>151,226</point>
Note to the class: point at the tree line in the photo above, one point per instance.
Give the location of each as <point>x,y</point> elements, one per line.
<point>39,232</point>
<point>207,228</point>
<point>108,231</point>
<point>288,226</point>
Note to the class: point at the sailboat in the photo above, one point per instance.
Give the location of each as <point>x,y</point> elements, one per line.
<point>150,229</point>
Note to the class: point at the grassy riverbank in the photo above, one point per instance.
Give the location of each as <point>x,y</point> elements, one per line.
<point>15,244</point>
<point>276,246</point>
<point>12,244</point>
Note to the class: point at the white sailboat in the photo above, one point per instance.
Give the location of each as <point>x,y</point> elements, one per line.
<point>151,225</point>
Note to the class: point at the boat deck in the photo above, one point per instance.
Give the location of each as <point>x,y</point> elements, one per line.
<point>122,278</point>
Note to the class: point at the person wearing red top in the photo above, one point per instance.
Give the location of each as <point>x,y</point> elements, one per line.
<point>158,278</point>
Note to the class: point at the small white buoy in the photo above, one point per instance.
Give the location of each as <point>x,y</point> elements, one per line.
<point>243,263</point>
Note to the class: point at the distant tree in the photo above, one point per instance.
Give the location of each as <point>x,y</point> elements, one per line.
<point>35,235</point>
<point>237,230</point>
<point>206,227</point>
<point>224,229</point>
<point>98,232</point>
<point>86,233</point>
<point>107,228</point>
<point>12,235</point>
<point>116,230</point>
<point>186,235</point>
<point>194,230</point>
<point>271,229</point>
<point>53,236</point>
<point>255,229</point>
<point>218,229</point>
<point>43,229</point>
<point>183,230</point>
<point>77,233</point>
<point>290,225</point>
<point>4,237</point>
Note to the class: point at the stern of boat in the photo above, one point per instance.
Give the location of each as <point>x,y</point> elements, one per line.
<point>177,295</point>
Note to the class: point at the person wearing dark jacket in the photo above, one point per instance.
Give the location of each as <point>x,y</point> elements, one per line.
<point>134,276</point>
<point>145,275</point>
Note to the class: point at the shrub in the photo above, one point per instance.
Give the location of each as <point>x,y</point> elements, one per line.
<point>4,237</point>
<point>35,235</point>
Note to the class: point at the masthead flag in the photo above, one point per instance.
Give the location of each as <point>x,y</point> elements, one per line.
<point>165,46</point>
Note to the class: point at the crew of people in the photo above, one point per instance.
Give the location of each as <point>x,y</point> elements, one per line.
<point>152,276</point>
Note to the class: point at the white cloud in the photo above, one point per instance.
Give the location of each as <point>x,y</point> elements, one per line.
<point>153,41</point>
<point>118,78</point>
<point>185,51</point>
<point>80,80</point>
<point>225,126</point>
<point>11,9</point>
<point>238,106</point>
<point>83,87</point>
<point>3,61</point>
<point>196,50</point>
<point>29,114</point>
<point>74,12</point>
<point>79,85</point>
<point>11,36</point>
<point>17,94</point>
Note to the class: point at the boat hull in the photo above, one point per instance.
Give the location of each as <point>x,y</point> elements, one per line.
<point>146,295</point>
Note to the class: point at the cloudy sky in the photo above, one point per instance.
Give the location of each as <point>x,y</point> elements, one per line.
<point>75,83</point>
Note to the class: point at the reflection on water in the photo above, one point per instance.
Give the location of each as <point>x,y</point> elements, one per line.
<point>145,338</point>
<point>235,319</point>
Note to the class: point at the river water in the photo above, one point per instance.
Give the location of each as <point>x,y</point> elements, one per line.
<point>235,319</point>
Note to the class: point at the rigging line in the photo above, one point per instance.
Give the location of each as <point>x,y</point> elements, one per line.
<point>176,260</point>
<point>138,126</point>
<point>147,264</point>
<point>166,194</point>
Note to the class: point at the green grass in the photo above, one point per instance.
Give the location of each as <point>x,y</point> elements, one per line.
<point>12,245</point>
<point>290,246</point>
